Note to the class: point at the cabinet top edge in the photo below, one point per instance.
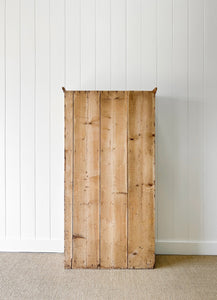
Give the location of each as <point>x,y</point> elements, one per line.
<point>112,91</point>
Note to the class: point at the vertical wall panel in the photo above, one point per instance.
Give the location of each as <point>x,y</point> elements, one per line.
<point>164,118</point>
<point>2,118</point>
<point>72,44</point>
<point>12,119</point>
<point>103,43</point>
<point>195,126</point>
<point>134,41</point>
<point>118,44</point>
<point>180,118</point>
<point>210,67</point>
<point>88,44</point>
<point>113,235</point>
<point>42,111</point>
<point>56,118</point>
<point>27,81</point>
<point>148,44</point>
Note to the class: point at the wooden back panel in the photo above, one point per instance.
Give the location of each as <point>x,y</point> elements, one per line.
<point>109,179</point>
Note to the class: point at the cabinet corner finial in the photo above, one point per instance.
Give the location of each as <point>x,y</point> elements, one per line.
<point>155,90</point>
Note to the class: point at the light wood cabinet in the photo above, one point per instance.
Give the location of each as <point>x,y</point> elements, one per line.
<point>109,179</point>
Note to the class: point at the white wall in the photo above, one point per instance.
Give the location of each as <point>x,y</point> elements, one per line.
<point>108,44</point>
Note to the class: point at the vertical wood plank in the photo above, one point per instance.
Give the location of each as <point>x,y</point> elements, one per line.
<point>2,119</point>
<point>56,119</point>
<point>93,157</point>
<point>27,120</point>
<point>42,120</point>
<point>68,182</point>
<point>113,180</point>
<point>86,180</point>
<point>141,182</point>
<point>79,200</point>
<point>12,119</point>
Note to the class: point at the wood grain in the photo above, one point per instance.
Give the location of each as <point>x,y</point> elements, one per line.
<point>68,178</point>
<point>141,237</point>
<point>113,180</point>
<point>86,181</point>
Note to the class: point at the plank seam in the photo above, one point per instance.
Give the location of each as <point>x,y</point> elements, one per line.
<point>64,175</point>
<point>87,159</point>
<point>127,95</point>
<point>73,143</point>
<point>112,169</point>
<point>99,179</point>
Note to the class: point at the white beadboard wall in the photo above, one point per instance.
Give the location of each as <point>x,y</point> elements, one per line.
<point>117,45</point>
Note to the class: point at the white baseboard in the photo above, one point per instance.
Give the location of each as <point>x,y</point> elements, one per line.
<point>186,247</point>
<point>32,246</point>
<point>162,246</point>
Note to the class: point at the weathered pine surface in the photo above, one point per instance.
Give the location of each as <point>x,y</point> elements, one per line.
<point>85,251</point>
<point>113,236</point>
<point>141,134</point>
<point>109,179</point>
<point>68,178</point>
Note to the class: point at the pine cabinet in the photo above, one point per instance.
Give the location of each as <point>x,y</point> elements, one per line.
<point>109,179</point>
